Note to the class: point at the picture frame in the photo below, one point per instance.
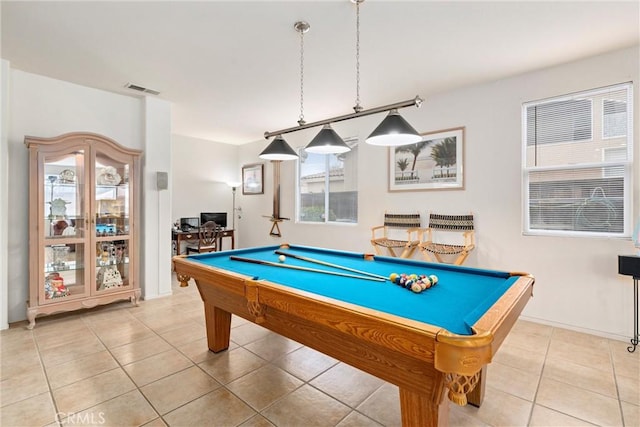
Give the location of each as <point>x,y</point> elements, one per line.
<point>435,163</point>
<point>253,179</point>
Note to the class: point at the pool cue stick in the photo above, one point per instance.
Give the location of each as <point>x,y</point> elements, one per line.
<point>328,264</point>
<point>295,267</point>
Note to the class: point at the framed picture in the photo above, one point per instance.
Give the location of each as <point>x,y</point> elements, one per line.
<point>252,179</point>
<point>435,163</point>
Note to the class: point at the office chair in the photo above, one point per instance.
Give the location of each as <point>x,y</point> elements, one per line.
<point>207,239</point>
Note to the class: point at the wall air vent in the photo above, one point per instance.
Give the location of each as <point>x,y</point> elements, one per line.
<point>141,89</point>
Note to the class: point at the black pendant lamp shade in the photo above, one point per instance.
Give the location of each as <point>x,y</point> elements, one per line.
<point>327,141</point>
<point>278,150</point>
<point>394,131</point>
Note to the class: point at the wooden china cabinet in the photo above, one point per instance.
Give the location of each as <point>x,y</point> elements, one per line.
<point>83,223</point>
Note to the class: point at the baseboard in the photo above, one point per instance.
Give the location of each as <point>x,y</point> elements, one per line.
<point>595,332</point>
<point>150,297</point>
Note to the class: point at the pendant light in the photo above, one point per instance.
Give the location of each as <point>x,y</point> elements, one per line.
<point>327,141</point>
<point>394,130</point>
<point>278,150</point>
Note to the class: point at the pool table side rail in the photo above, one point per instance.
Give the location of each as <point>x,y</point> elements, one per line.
<point>504,313</point>
<point>401,261</point>
<point>467,355</point>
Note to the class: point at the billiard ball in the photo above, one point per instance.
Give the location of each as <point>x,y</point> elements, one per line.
<point>416,288</point>
<point>281,258</point>
<point>392,277</point>
<point>434,279</point>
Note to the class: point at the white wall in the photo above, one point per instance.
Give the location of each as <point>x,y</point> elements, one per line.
<point>155,214</point>
<point>200,172</point>
<point>44,107</point>
<point>4,191</point>
<point>577,284</point>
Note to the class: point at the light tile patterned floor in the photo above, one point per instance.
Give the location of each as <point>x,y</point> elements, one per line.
<point>149,365</point>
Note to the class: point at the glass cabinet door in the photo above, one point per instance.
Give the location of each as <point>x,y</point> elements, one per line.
<point>112,264</point>
<point>64,230</point>
<point>112,219</point>
<point>64,272</point>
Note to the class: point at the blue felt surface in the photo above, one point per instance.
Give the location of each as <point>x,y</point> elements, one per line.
<point>459,299</point>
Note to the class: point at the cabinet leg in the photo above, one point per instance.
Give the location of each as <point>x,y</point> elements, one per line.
<point>31,316</point>
<point>135,298</point>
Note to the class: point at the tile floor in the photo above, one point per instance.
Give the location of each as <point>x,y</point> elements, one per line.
<point>148,365</point>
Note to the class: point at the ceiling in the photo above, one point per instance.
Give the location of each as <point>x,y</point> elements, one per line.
<point>232,69</point>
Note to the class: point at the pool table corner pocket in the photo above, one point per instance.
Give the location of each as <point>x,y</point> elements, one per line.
<point>461,359</point>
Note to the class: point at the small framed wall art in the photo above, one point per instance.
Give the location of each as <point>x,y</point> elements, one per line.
<point>253,178</point>
<point>435,163</point>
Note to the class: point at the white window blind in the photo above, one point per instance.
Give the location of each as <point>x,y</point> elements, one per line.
<point>577,163</point>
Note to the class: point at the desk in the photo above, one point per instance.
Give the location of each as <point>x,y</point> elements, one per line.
<point>178,236</point>
<point>423,343</point>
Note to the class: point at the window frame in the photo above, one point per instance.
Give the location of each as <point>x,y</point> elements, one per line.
<point>528,228</point>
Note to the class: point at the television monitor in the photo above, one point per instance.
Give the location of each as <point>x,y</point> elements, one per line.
<point>219,218</point>
<point>188,224</point>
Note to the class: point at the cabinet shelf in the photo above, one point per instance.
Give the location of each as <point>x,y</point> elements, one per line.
<point>64,266</point>
<point>82,214</point>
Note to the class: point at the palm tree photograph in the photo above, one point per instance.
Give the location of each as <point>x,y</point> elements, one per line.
<point>431,164</point>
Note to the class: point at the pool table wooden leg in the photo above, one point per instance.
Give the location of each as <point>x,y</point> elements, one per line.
<point>476,395</point>
<point>218,327</point>
<point>419,410</point>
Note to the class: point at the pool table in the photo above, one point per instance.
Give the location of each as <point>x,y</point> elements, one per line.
<point>425,343</point>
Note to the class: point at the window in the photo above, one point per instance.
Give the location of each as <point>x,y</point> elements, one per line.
<point>614,118</point>
<point>559,121</point>
<point>328,186</point>
<point>616,154</point>
<point>577,163</point>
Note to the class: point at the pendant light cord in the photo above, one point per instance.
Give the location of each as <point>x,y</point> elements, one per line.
<point>301,120</point>
<point>357,108</point>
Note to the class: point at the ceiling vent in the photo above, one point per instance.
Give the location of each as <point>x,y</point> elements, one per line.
<point>141,89</point>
